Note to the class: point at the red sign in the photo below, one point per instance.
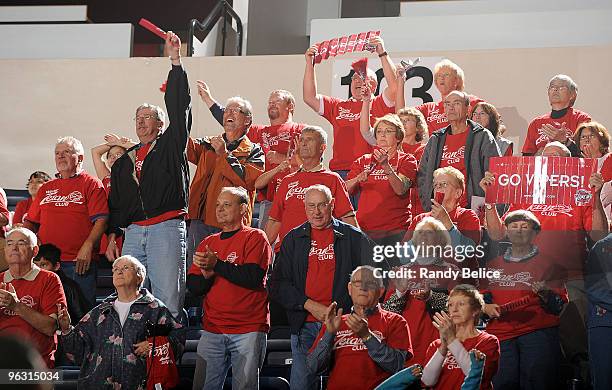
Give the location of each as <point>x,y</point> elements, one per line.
<point>541,180</point>
<point>346,44</point>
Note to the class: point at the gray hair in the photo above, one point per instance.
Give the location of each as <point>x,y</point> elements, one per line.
<point>446,63</point>
<point>239,192</point>
<point>161,115</point>
<point>138,266</point>
<point>247,108</point>
<point>571,84</point>
<point>464,96</point>
<point>559,145</point>
<point>26,232</point>
<point>74,144</point>
<point>430,223</point>
<point>316,129</point>
<point>370,271</point>
<point>322,189</point>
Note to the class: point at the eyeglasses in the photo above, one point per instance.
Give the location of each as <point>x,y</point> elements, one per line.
<point>587,137</point>
<point>558,88</point>
<point>19,243</point>
<point>366,286</point>
<point>145,117</point>
<point>458,103</point>
<point>234,110</point>
<point>385,132</point>
<point>316,206</point>
<point>123,269</point>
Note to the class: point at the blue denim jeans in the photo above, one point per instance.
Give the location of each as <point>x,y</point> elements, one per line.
<point>300,344</point>
<point>245,353</point>
<point>530,361</point>
<point>355,197</point>
<point>264,212</point>
<point>161,248</point>
<point>600,345</point>
<point>87,282</point>
<point>196,232</point>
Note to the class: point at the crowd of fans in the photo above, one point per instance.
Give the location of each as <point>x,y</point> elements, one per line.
<point>399,177</point>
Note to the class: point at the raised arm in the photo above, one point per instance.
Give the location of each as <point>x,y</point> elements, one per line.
<point>400,100</point>
<point>364,119</point>
<point>100,166</point>
<point>495,227</point>
<point>309,86</point>
<point>388,68</point>
<point>215,108</point>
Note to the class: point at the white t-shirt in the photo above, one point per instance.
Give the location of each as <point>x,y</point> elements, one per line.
<point>123,309</point>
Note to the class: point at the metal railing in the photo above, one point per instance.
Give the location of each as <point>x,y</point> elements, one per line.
<point>222,9</point>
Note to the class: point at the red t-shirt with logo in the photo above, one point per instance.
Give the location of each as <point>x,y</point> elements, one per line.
<point>321,267</point>
<point>415,203</point>
<point>416,150</point>
<point>563,235</point>
<point>453,155</point>
<point>344,117</point>
<point>66,210</point>
<point>536,139</point>
<point>288,205</point>
<point>277,138</point>
<point>452,376</point>
<point>436,117</point>
<point>381,211</point>
<point>141,155</point>
<point>524,313</point>
<point>353,368</point>
<point>41,294</point>
<point>229,308</point>
<point>21,209</point>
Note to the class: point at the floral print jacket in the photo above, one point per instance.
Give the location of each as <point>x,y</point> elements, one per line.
<point>105,350</point>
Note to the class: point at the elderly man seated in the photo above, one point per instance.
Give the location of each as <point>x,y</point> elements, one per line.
<point>367,345</point>
<point>29,295</point>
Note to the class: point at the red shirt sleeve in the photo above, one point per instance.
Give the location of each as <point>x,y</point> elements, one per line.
<point>329,108</point>
<point>469,225</point>
<point>356,168</point>
<point>399,336</point>
<point>342,203</point>
<point>530,146</point>
<point>20,211</point>
<point>278,205</point>
<point>258,250</point>
<point>379,109</point>
<point>97,203</point>
<point>408,168</point>
<point>254,134</point>
<point>606,168</point>
<point>34,211</point>
<point>53,294</point>
<point>490,347</point>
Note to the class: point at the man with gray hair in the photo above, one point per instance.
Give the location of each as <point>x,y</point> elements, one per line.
<point>365,345</point>
<point>29,296</point>
<point>561,123</point>
<point>230,159</point>
<point>71,212</point>
<point>312,270</point>
<point>288,206</point>
<point>148,196</point>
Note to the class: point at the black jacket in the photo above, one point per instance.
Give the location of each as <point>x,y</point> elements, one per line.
<point>164,178</point>
<point>352,248</point>
<point>77,303</point>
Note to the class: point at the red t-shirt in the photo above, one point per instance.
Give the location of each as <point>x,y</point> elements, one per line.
<point>563,235</point>
<point>21,209</point>
<point>3,210</point>
<point>344,117</point>
<point>288,204</point>
<point>141,155</point>
<point>278,138</point>
<point>353,368</point>
<point>42,293</point>
<point>606,168</point>
<point>453,155</point>
<point>466,221</point>
<point>536,139</point>
<point>66,210</point>
<point>321,267</point>
<point>436,117</point>
<point>415,203</point>
<point>514,286</point>
<point>416,150</point>
<point>381,210</point>
<point>229,308</point>
<point>452,376</point>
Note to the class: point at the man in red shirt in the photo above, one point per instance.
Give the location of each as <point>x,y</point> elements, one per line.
<point>288,207</point>
<point>344,115</point>
<point>561,123</point>
<point>70,212</point>
<point>367,345</point>
<point>29,296</point>
<point>278,139</point>
<point>448,77</point>
<point>229,269</point>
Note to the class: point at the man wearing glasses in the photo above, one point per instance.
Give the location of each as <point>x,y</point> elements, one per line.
<point>463,144</point>
<point>312,271</point>
<point>29,296</point>
<point>561,123</point>
<point>149,183</point>
<point>230,159</point>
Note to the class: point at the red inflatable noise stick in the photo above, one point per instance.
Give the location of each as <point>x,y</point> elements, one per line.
<point>153,28</point>
<point>360,67</point>
<point>162,88</point>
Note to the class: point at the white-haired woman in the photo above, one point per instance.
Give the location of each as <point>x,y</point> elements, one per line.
<point>110,342</point>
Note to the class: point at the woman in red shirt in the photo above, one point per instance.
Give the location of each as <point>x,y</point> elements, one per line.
<point>36,180</point>
<point>448,356</point>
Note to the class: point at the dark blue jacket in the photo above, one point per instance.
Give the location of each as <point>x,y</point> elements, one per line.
<point>598,283</point>
<point>352,248</point>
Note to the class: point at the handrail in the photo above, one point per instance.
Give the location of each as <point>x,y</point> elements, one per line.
<point>221,9</point>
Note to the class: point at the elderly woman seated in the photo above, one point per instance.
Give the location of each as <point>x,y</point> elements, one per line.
<point>110,342</point>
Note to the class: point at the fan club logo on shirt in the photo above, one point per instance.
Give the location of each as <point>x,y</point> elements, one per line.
<point>269,140</point>
<point>511,280</point>
<point>294,188</point>
<point>450,361</point>
<point>348,339</point>
<point>551,210</point>
<point>52,196</point>
<point>379,174</point>
<point>26,300</point>
<point>231,258</point>
<point>162,352</point>
<point>453,157</point>
<point>346,114</point>
<point>326,253</point>
<point>138,165</point>
<point>435,116</point>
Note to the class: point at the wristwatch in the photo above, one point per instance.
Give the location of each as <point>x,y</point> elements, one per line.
<point>488,206</point>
